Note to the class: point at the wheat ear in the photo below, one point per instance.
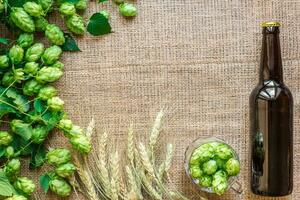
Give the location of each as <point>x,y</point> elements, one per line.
<point>90,129</point>
<point>145,160</point>
<point>156,130</point>
<point>166,165</point>
<point>130,145</point>
<point>115,176</point>
<point>133,188</point>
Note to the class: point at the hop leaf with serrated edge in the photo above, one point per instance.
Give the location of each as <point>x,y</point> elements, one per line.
<point>22,20</point>
<point>81,5</point>
<point>81,143</point>
<point>51,55</point>
<point>31,87</point>
<point>31,68</point>
<point>39,134</point>
<point>33,9</point>
<point>25,40</point>
<point>4,62</point>
<point>25,185</point>
<point>5,138</point>
<point>67,9</point>
<point>34,53</point>
<point>47,92</point>
<point>55,103</point>
<point>48,74</point>
<point>16,197</point>
<point>58,156</point>
<point>16,54</point>
<point>128,10</point>
<point>13,169</point>
<point>55,34</point>
<point>65,124</point>
<point>40,24</point>
<point>60,187</point>
<point>75,24</point>
<point>65,170</point>
<point>58,65</point>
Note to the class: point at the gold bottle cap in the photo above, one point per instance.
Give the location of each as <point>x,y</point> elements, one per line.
<point>270,24</point>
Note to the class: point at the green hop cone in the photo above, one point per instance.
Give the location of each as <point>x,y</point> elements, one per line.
<point>55,103</point>
<point>13,76</point>
<point>81,5</point>
<point>65,170</point>
<point>33,9</point>
<point>220,162</point>
<point>31,68</point>
<point>205,181</point>
<point>58,65</point>
<point>232,167</point>
<point>75,24</point>
<point>16,197</point>
<point>67,9</point>
<point>75,130</point>
<point>60,187</point>
<point>54,34</point>
<point>4,62</point>
<point>8,78</point>
<point>65,124</point>
<point>13,169</point>
<point>51,55</point>
<point>128,10</point>
<point>5,138</point>
<point>22,20</point>
<point>58,156</point>
<point>224,152</point>
<point>196,171</point>
<point>2,6</point>
<point>46,5</point>
<point>9,152</point>
<point>48,74</point>
<point>16,54</point>
<point>25,40</point>
<point>81,143</point>
<point>105,13</point>
<point>34,53</point>
<point>31,87</point>
<point>39,134</point>
<point>219,183</point>
<point>47,92</point>
<point>40,24</point>
<point>202,154</point>
<point>25,185</point>
<point>210,167</point>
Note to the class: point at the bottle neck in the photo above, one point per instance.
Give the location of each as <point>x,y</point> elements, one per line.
<point>271,63</point>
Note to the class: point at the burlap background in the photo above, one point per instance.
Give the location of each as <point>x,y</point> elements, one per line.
<point>199,58</point>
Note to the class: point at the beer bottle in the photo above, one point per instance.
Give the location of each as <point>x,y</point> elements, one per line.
<point>271,118</point>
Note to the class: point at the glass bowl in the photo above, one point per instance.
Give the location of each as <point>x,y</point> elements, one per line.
<point>232,181</point>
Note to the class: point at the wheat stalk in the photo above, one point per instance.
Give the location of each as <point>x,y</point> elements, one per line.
<point>130,145</point>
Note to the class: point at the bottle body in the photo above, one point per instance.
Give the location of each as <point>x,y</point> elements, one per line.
<point>271,119</point>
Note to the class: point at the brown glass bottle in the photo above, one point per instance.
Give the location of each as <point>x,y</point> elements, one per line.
<point>271,118</point>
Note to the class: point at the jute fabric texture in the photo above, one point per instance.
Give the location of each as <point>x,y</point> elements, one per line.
<point>197,58</point>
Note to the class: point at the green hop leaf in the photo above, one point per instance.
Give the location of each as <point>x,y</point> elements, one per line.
<point>67,125</point>
<point>17,197</point>
<point>22,129</point>
<point>67,9</point>
<point>25,40</point>
<point>51,55</point>
<point>13,169</point>
<point>39,134</point>
<point>70,44</point>
<point>210,167</point>
<point>3,41</point>
<point>59,64</point>
<point>65,170</point>
<point>196,171</point>
<point>55,34</point>
<point>45,182</point>
<point>38,155</point>
<point>52,118</point>
<point>4,62</point>
<point>16,54</point>
<point>34,53</point>
<point>47,92</point>
<point>60,187</point>
<point>81,5</point>
<point>22,20</point>
<point>25,185</point>
<point>232,167</point>
<point>31,68</point>
<point>7,190</point>
<point>75,24</point>
<point>39,106</point>
<point>81,143</point>
<point>33,9</point>
<point>5,138</point>
<point>31,87</point>
<point>98,25</point>
<point>224,152</point>
<point>40,24</point>
<point>48,74</point>
<point>205,181</point>
<point>58,156</point>
<point>20,101</point>
<point>128,10</point>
